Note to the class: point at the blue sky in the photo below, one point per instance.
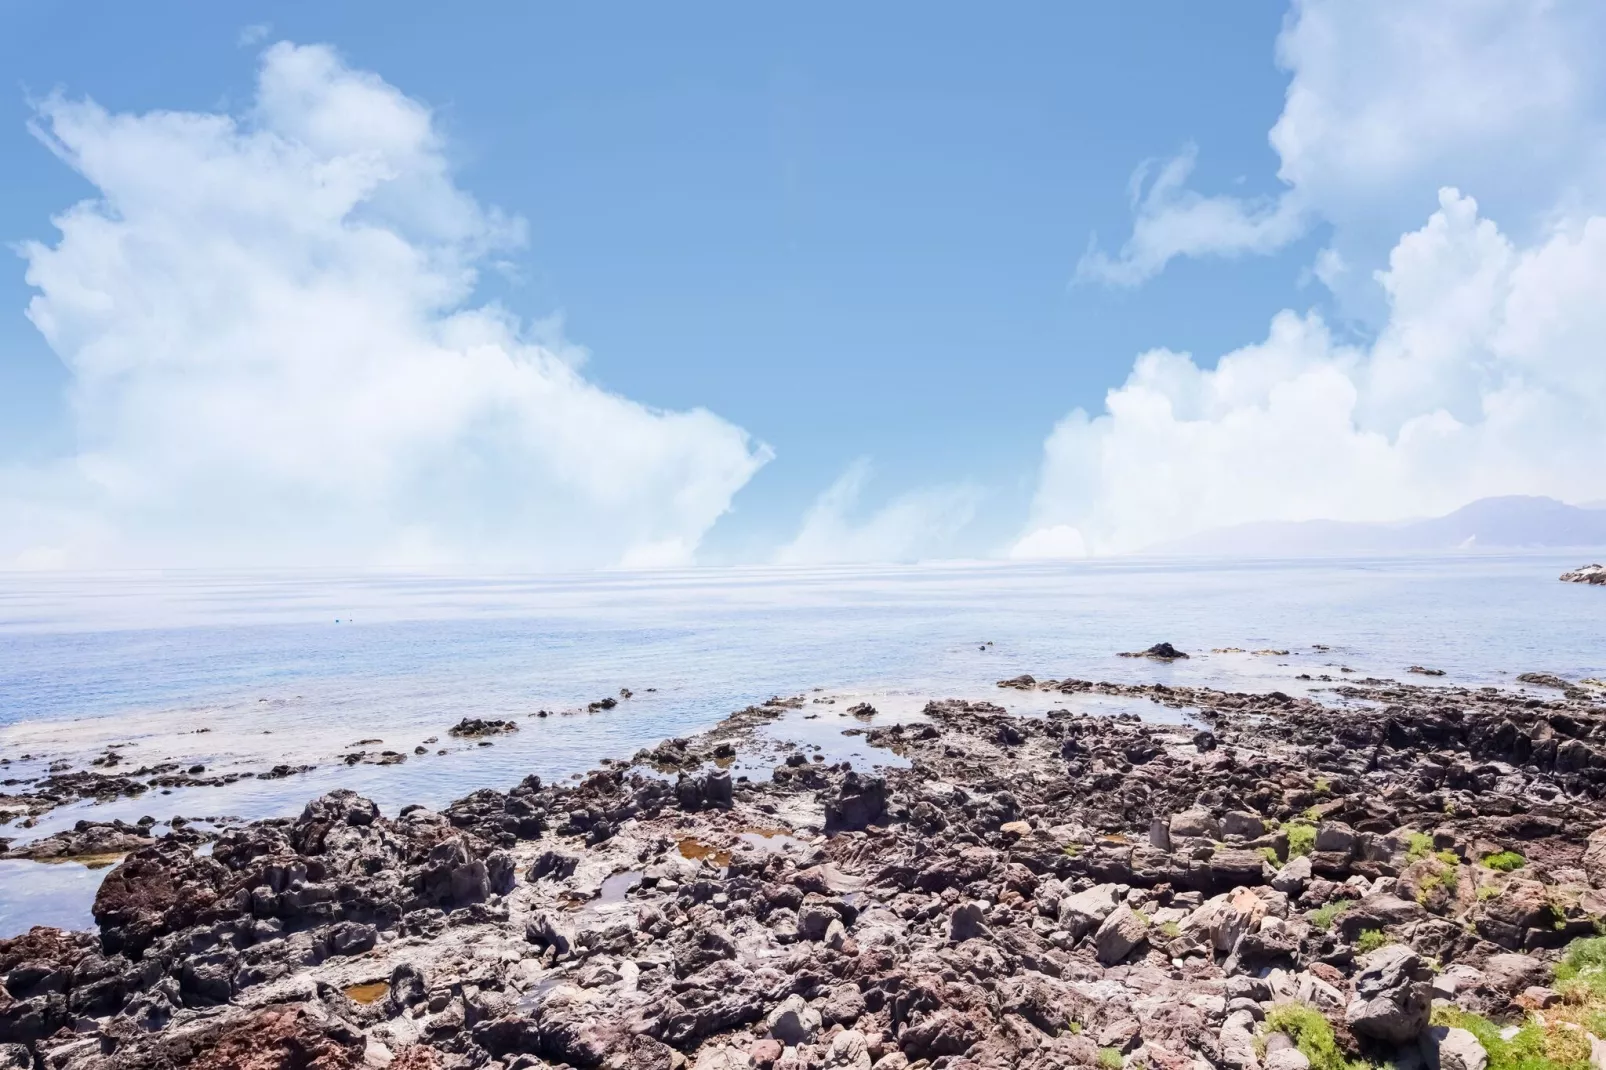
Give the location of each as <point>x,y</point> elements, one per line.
<point>852,234</point>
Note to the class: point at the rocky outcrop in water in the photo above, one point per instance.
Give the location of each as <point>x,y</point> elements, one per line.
<point>1159,652</point>
<point>1028,891</point>
<point>477,727</point>
<point>1585,574</point>
<point>87,840</point>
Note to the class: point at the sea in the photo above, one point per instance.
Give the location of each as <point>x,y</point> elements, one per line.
<point>245,670</point>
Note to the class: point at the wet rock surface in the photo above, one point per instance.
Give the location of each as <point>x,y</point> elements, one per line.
<point>86,840</point>
<point>1051,890</point>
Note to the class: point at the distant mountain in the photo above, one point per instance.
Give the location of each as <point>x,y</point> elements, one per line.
<point>1490,523</point>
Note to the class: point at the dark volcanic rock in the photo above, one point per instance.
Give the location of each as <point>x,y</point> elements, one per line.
<point>475,727</point>
<point>861,801</point>
<point>1016,892</point>
<point>1159,652</point>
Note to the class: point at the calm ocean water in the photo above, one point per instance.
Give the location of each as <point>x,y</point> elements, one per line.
<point>299,667</point>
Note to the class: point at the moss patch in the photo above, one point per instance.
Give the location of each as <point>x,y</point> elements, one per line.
<point>1532,1047</point>
<point>1418,845</point>
<point>1312,1034</point>
<point>1324,916</point>
<point>1301,838</point>
<point>1370,940</point>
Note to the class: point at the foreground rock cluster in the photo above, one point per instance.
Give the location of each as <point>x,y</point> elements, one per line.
<point>1268,882</point>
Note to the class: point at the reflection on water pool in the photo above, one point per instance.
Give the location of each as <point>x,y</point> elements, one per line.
<point>47,893</point>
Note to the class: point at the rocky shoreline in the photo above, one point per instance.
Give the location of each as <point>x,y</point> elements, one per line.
<point>1267,883</point>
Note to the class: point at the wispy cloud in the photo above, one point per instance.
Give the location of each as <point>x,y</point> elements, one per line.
<point>1171,220</point>
<point>910,527</point>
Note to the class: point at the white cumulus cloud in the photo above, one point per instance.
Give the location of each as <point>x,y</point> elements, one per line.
<point>914,525</point>
<point>274,357</point>
<point>1482,371</point>
<point>1488,378</point>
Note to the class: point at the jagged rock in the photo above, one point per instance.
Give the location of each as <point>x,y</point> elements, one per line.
<point>946,927</point>
<point>794,1022</point>
<point>966,922</point>
<point>1293,876</point>
<point>476,728</point>
<point>843,1005</point>
<point>351,938</point>
<point>944,1032</point>
<point>1449,1048</point>
<point>764,1052</point>
<point>859,803</point>
<point>1335,837</point>
<point>408,987</point>
<point>1521,907</point>
<point>87,838</point>
<point>554,864</point>
<point>1120,934</point>
<point>1222,920</point>
<point>709,791</point>
<point>1236,1041</point>
<point>721,1057</point>
<point>1195,823</point>
<point>1083,912</point>
<point>1586,574</point>
<point>1377,912</point>
<point>850,1050</point>
<point>1392,995</point>
<point>1286,1058</point>
<point>1511,972</point>
<point>1243,824</point>
<point>1159,652</point>
<point>545,930</point>
<point>1594,862</point>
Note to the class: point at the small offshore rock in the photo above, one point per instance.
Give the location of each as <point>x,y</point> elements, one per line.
<point>475,727</point>
<point>1159,652</point>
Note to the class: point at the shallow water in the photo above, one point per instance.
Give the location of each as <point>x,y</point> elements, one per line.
<point>46,893</point>
<point>244,670</point>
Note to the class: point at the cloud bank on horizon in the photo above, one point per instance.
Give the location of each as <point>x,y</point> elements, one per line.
<point>1485,373</point>
<point>273,360</point>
